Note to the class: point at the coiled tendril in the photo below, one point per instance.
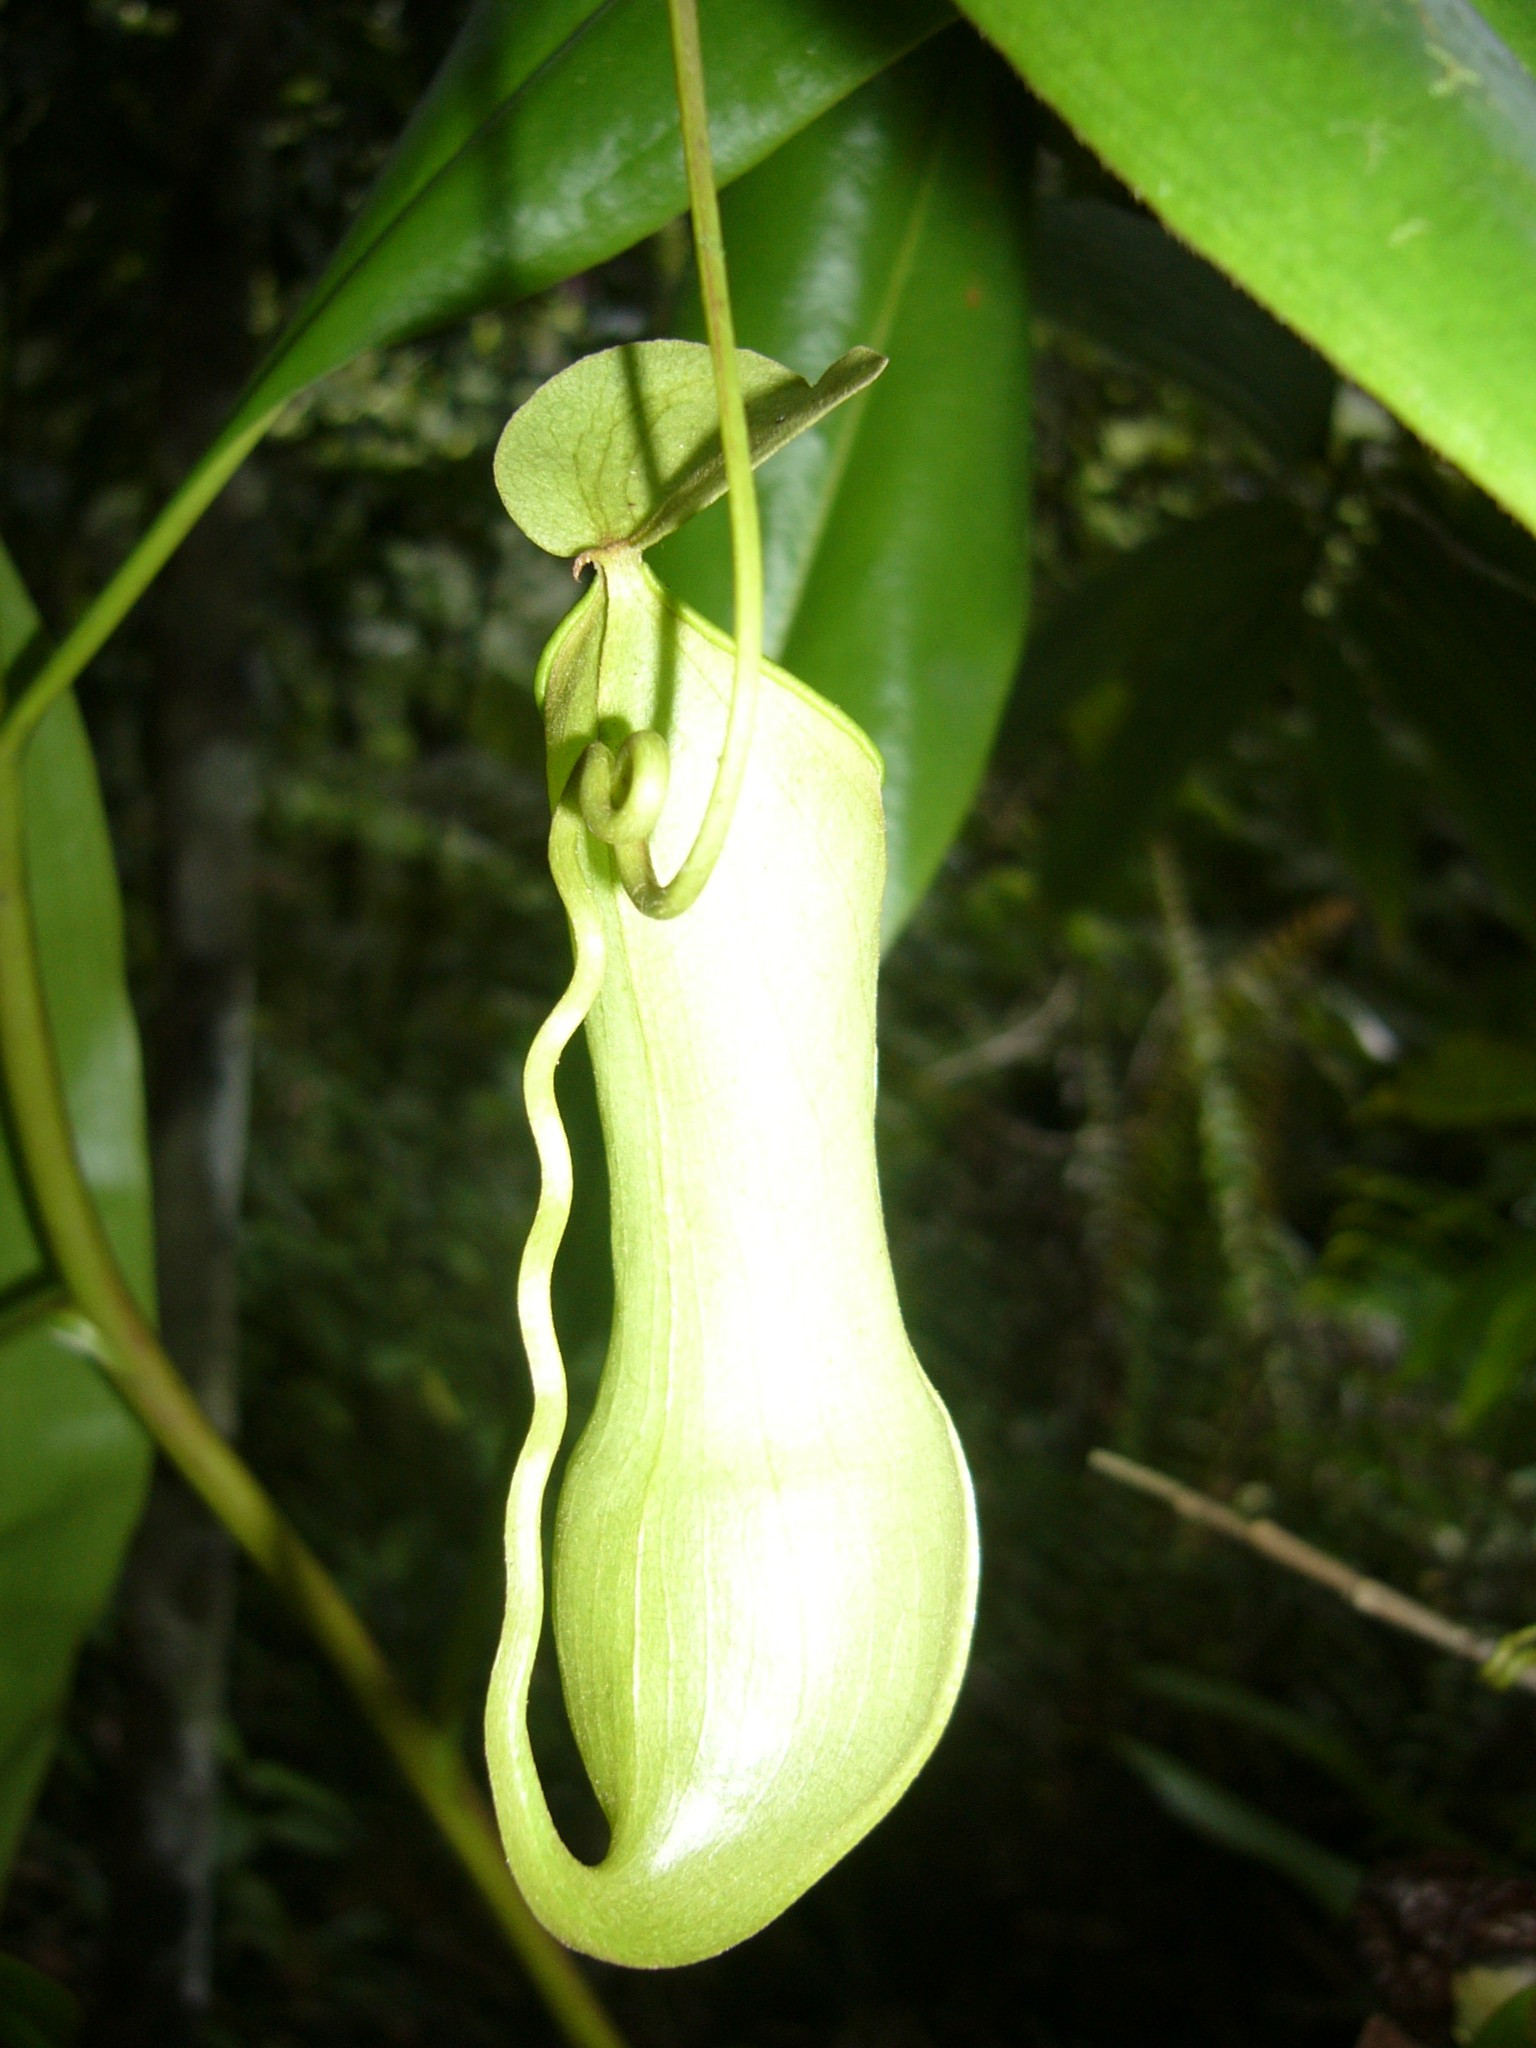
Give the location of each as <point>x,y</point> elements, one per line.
<point>643,757</point>
<point>620,797</point>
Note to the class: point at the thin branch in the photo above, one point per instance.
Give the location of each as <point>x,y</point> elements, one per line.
<point>1367,1596</point>
<point>111,1328</point>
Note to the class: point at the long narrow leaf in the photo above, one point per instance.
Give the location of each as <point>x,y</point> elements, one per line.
<point>1211,1810</point>
<point>1503,1357</point>
<point>1366,171</point>
<point>1305,1738</point>
<point>73,1462</point>
<point>549,142</point>
<point>578,159</point>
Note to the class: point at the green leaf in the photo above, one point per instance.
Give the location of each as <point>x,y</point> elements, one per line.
<point>35,2012</point>
<point>1303,1737</point>
<point>1510,2025</point>
<point>1367,172</point>
<point>1515,22</point>
<point>648,412</point>
<point>1233,1824</point>
<point>1107,630</point>
<point>73,1462</point>
<point>1192,627</point>
<point>1480,1330</point>
<point>549,142</point>
<point>1116,276</point>
<point>1503,1356</point>
<point>1451,647</point>
<point>1358,781</point>
<point>1457,1320</point>
<point>1467,1079</point>
<point>896,534</point>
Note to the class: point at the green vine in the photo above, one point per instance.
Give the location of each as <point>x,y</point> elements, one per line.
<point>639,772</point>
<point>121,593</point>
<point>107,1323</point>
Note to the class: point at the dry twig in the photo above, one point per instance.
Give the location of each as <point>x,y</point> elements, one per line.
<point>1367,1596</point>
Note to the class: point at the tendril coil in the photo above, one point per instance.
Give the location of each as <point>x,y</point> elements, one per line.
<point>620,798</point>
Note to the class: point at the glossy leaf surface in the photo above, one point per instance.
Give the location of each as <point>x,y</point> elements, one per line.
<point>1365,170</point>
<point>549,142</point>
<point>896,534</point>
<point>73,1462</point>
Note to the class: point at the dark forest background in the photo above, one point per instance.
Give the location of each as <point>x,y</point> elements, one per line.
<point>1220,1153</point>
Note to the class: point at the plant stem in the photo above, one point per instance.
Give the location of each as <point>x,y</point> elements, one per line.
<point>1365,1595</point>
<point>117,598</point>
<point>117,1334</point>
<point>735,446</point>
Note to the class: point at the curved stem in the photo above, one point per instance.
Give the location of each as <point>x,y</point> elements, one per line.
<point>113,1329</point>
<point>746,538</point>
<point>116,599</point>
